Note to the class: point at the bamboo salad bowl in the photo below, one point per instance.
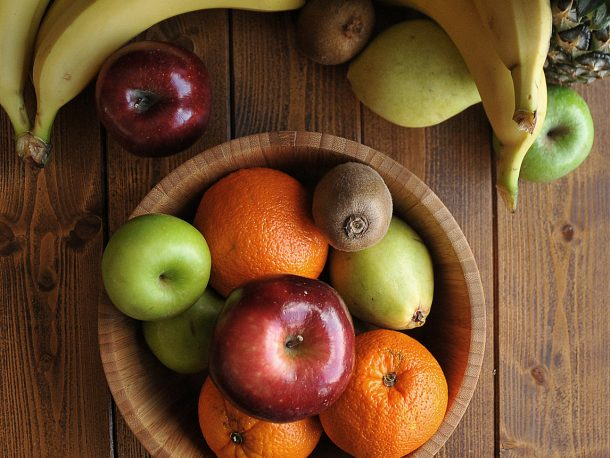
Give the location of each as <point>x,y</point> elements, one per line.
<point>160,406</point>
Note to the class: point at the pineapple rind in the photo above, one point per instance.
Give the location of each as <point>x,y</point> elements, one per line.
<point>579,51</point>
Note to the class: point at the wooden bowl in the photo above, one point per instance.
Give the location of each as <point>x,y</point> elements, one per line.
<point>160,406</point>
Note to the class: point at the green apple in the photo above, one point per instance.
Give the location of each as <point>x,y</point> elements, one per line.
<point>565,140</point>
<point>155,266</point>
<point>182,342</point>
<point>390,284</point>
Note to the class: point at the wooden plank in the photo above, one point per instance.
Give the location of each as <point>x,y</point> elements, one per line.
<point>130,178</point>
<point>52,397</point>
<point>453,159</point>
<point>553,292</point>
<point>277,88</point>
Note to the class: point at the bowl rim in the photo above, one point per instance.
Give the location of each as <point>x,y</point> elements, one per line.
<point>166,188</point>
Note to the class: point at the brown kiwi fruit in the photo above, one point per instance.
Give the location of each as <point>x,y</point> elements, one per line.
<point>352,206</point>
<point>331,32</point>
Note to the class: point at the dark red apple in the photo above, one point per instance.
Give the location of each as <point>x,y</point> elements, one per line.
<point>154,98</point>
<point>283,348</point>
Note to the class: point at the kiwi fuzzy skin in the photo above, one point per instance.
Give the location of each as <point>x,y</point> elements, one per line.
<point>352,206</point>
<point>332,32</point>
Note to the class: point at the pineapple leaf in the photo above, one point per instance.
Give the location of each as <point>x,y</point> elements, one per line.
<point>596,13</point>
<point>601,17</point>
<point>585,7</point>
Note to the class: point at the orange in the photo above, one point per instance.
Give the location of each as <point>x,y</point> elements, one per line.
<point>258,222</point>
<point>395,401</point>
<point>231,433</point>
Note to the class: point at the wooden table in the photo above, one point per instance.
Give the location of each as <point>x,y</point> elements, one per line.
<point>544,389</point>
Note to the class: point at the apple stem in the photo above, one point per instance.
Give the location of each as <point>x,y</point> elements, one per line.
<point>142,100</point>
<point>389,379</point>
<point>293,341</point>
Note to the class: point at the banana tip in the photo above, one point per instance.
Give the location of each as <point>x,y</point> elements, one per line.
<point>509,198</point>
<point>526,120</point>
<point>33,149</point>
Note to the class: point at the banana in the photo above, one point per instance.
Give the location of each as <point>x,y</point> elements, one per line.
<point>55,12</point>
<point>461,21</point>
<point>19,21</point>
<point>73,49</point>
<point>508,165</point>
<point>521,33</point>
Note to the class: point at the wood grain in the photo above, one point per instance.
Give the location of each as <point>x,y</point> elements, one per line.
<point>277,88</point>
<point>553,304</point>
<point>54,401</point>
<point>206,33</point>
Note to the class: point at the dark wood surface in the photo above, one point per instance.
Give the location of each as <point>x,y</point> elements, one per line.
<point>545,383</point>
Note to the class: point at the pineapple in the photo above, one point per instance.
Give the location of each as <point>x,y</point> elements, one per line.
<point>579,51</point>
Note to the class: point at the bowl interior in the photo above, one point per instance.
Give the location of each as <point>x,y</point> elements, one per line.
<point>160,406</point>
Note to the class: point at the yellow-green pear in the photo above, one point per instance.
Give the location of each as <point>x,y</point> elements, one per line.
<point>413,75</point>
<point>390,284</point>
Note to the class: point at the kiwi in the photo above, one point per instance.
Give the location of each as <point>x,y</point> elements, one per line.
<point>331,32</point>
<point>352,206</point>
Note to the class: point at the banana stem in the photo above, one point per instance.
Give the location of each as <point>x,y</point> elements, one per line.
<point>43,125</point>
<point>526,98</point>
<point>14,105</point>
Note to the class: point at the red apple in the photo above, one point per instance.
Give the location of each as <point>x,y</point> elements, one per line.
<point>154,98</point>
<point>283,348</point>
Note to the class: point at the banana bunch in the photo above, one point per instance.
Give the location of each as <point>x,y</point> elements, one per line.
<point>72,43</point>
<point>19,20</point>
<point>503,43</point>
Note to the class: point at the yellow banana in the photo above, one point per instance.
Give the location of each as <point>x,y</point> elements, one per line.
<point>19,20</point>
<point>56,10</point>
<point>74,48</point>
<point>511,156</point>
<point>461,21</point>
<point>521,33</point>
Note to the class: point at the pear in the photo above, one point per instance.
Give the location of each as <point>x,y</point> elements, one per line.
<point>390,284</point>
<point>413,75</point>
